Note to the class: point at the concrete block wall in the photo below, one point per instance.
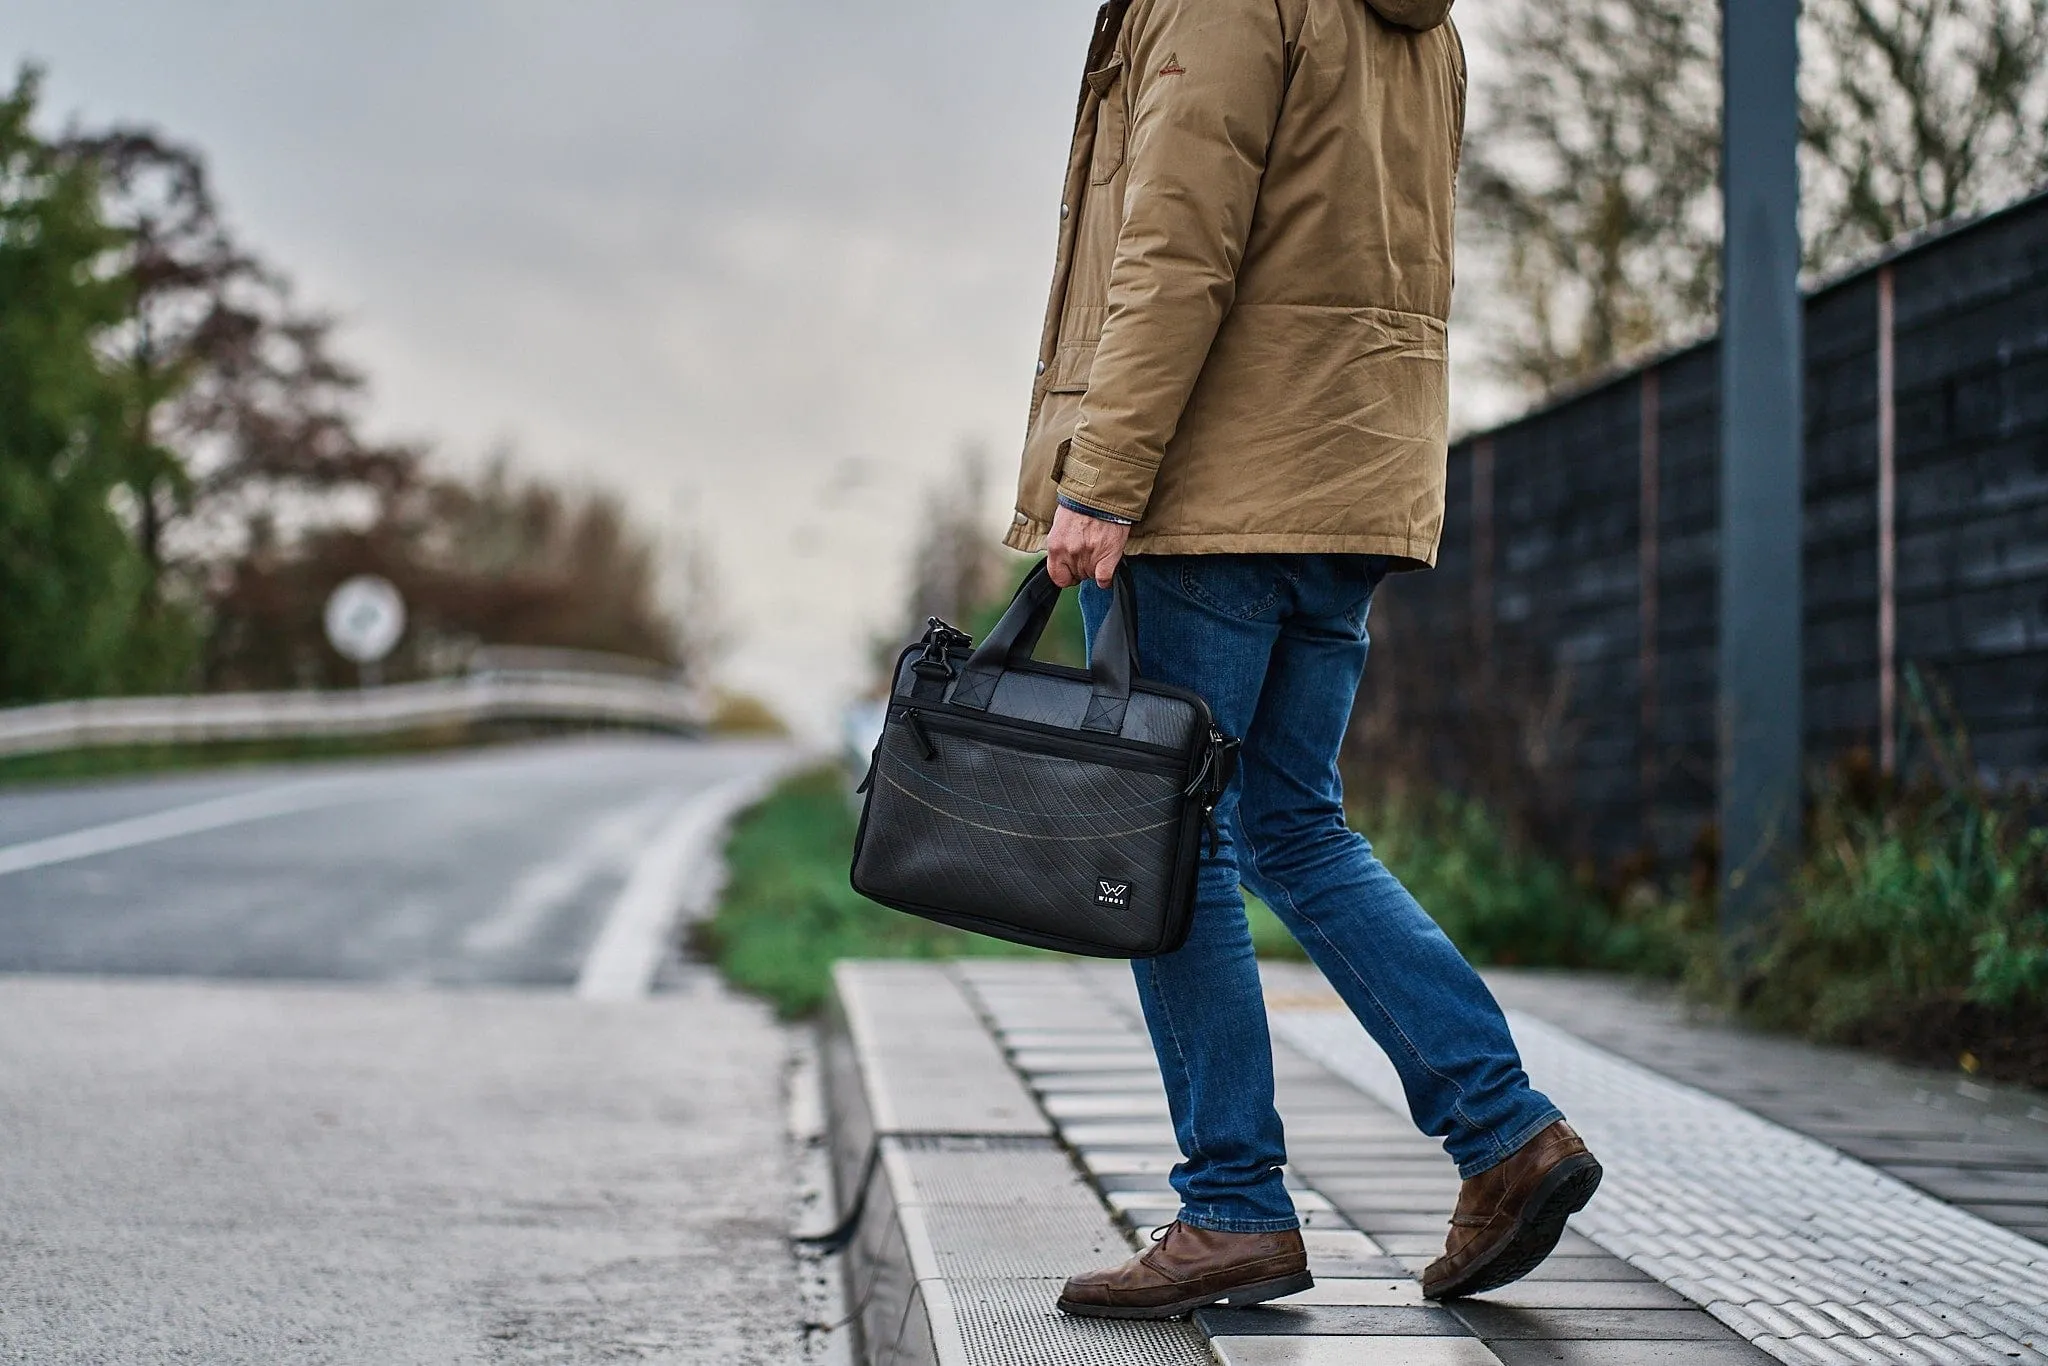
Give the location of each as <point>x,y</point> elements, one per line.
<point>1588,531</point>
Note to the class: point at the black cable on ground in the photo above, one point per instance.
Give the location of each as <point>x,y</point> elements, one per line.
<point>837,1238</point>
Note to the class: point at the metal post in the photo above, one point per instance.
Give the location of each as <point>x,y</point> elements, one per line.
<point>1761,426</point>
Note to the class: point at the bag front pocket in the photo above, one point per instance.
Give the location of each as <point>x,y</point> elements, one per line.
<point>1065,839</point>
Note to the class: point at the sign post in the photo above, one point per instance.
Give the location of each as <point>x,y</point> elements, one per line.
<point>365,619</point>
<point>1761,461</point>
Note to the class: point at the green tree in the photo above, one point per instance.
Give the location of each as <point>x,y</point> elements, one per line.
<point>76,598</point>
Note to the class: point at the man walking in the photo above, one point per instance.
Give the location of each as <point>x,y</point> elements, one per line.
<point>1242,386</point>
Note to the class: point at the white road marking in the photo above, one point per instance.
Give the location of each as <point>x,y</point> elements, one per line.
<point>622,963</point>
<point>217,814</point>
<point>542,890</point>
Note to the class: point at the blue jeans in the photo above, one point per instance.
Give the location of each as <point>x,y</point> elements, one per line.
<point>1277,645</point>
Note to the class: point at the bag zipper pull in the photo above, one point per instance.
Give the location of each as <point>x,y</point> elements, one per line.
<point>1218,768</point>
<point>924,740</point>
<point>1222,765</point>
<point>1215,771</point>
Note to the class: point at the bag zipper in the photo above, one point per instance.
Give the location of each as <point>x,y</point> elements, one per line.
<point>1212,774</point>
<point>924,739</point>
<point>974,716</point>
<point>1031,738</point>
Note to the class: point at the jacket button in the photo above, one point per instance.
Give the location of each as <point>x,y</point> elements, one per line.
<point>1064,210</point>
<point>1041,367</point>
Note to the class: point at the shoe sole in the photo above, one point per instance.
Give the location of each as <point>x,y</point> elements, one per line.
<point>1562,1193</point>
<point>1256,1293</point>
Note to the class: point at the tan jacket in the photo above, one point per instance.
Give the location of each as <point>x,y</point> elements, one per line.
<point>1245,347</point>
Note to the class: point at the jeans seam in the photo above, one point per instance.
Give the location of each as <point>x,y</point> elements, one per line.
<point>1159,994</point>
<point>1251,845</point>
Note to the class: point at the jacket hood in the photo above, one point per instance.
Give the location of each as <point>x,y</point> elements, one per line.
<point>1420,15</point>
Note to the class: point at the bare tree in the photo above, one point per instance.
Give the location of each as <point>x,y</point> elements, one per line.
<point>241,417</point>
<point>956,568</point>
<point>1592,179</point>
<point>1590,184</point>
<point>702,632</point>
<point>501,560</point>
<point>1917,111</point>
<point>254,490</point>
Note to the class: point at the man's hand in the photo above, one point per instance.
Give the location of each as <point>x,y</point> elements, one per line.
<point>1083,547</point>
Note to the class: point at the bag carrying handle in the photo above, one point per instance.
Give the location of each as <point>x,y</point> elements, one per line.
<point>1112,662</point>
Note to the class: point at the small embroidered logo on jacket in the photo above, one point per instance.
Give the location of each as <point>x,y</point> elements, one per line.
<point>1116,895</point>
<point>1173,66</point>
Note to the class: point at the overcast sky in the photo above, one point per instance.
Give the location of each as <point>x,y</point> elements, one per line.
<point>766,266</point>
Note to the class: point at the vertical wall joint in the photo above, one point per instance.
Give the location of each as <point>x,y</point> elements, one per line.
<point>1649,515</point>
<point>1887,525</point>
<point>1482,546</point>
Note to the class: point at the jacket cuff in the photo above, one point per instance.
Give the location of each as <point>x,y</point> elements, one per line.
<point>1074,505</point>
<point>1103,481</point>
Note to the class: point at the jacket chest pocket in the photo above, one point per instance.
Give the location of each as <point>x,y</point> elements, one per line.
<point>1112,121</point>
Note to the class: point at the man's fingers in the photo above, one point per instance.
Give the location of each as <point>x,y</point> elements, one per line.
<point>1062,573</point>
<point>1080,548</point>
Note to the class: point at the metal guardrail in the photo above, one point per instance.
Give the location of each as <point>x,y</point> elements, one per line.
<point>601,699</point>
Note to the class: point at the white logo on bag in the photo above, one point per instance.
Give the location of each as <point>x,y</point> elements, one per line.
<point>1117,894</point>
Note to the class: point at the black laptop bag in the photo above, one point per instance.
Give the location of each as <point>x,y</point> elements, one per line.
<point>1058,807</point>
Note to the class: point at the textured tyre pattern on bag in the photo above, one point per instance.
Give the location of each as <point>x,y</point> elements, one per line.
<point>946,831</point>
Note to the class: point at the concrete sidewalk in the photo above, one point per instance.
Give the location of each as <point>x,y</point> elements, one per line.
<point>265,1174</point>
<point>1003,1125</point>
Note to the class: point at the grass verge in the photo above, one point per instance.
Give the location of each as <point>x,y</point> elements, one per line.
<point>788,912</point>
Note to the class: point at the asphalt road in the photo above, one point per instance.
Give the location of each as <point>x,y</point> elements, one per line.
<point>291,1071</point>
<point>485,867</point>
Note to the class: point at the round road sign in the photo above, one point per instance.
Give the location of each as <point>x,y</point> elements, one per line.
<point>365,618</point>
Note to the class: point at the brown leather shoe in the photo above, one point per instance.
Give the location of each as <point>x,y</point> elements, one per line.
<point>1510,1216</point>
<point>1189,1267</point>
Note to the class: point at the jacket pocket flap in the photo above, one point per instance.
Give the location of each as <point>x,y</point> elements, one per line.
<point>1070,369</point>
<point>1101,81</point>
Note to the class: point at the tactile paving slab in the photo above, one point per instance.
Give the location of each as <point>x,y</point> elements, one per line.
<point>1981,1146</point>
<point>1811,1255</point>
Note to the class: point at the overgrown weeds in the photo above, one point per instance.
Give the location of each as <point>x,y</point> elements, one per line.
<point>1918,921</point>
<point>1506,902</point>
